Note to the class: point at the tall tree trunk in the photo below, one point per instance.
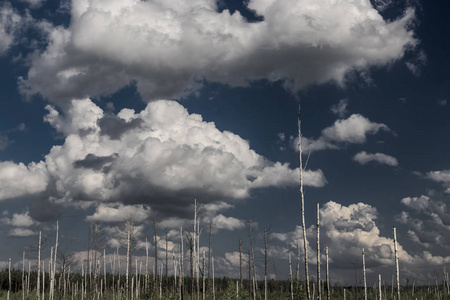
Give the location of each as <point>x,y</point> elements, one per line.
<point>23,275</point>
<point>265,264</point>
<point>181,266</point>
<point>364,274</point>
<point>305,241</point>
<point>167,259</point>
<point>379,287</point>
<point>240,262</point>
<point>38,286</point>
<point>203,275</point>
<point>328,275</point>
<point>290,275</point>
<point>319,284</point>
<point>252,260</point>
<point>397,271</point>
<point>155,227</point>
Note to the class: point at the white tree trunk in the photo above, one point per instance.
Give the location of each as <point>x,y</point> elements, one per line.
<point>305,241</point>
<point>397,272</point>
<point>364,274</point>
<point>319,285</point>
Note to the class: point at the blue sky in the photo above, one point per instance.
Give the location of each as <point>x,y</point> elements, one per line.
<point>130,107</point>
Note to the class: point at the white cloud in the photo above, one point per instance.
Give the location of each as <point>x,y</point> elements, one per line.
<point>227,223</point>
<point>21,232</point>
<point>10,23</point>
<point>431,224</point>
<point>353,130</point>
<point>18,180</point>
<point>439,176</point>
<point>162,156</point>
<point>340,109</point>
<point>118,213</point>
<point>169,47</point>
<point>364,158</point>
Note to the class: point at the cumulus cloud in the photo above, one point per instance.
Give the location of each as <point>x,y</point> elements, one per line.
<point>168,48</point>
<point>440,176</point>
<point>118,213</point>
<point>364,158</point>
<point>19,220</point>
<point>21,232</point>
<point>430,223</point>
<point>165,159</point>
<point>353,130</point>
<point>18,180</point>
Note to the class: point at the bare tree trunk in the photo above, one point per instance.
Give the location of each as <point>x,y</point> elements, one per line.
<point>181,266</point>
<point>127,280</point>
<point>39,270</point>
<point>250,273</point>
<point>9,278</point>
<point>319,284</point>
<point>155,227</point>
<point>214,289</point>
<point>209,250</point>
<point>305,241</point>
<point>397,273</point>
<point>167,259</point>
<point>265,264</point>
<point>328,275</point>
<point>290,275</point>
<point>203,275</point>
<point>364,275</point>
<point>252,260</point>
<point>146,264</point>
<point>23,275</point>
<point>240,262</point>
<point>379,287</point>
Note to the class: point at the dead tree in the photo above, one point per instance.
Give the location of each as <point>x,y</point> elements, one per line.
<point>319,284</point>
<point>305,241</point>
<point>397,272</point>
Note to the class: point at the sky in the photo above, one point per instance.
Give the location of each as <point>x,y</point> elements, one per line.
<point>112,109</point>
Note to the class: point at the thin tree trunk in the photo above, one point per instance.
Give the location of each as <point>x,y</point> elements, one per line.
<point>328,275</point>
<point>38,286</point>
<point>167,259</point>
<point>23,275</point>
<point>214,289</point>
<point>305,241</point>
<point>379,287</point>
<point>265,264</point>
<point>290,275</point>
<point>9,278</point>
<point>397,273</point>
<point>364,275</point>
<point>203,275</point>
<point>181,265</point>
<point>155,227</point>
<point>240,262</point>
<point>319,285</point>
<point>252,259</point>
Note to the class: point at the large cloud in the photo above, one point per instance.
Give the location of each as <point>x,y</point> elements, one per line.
<point>162,156</point>
<point>169,47</point>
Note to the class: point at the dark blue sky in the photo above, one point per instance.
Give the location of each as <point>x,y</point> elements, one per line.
<point>380,161</point>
